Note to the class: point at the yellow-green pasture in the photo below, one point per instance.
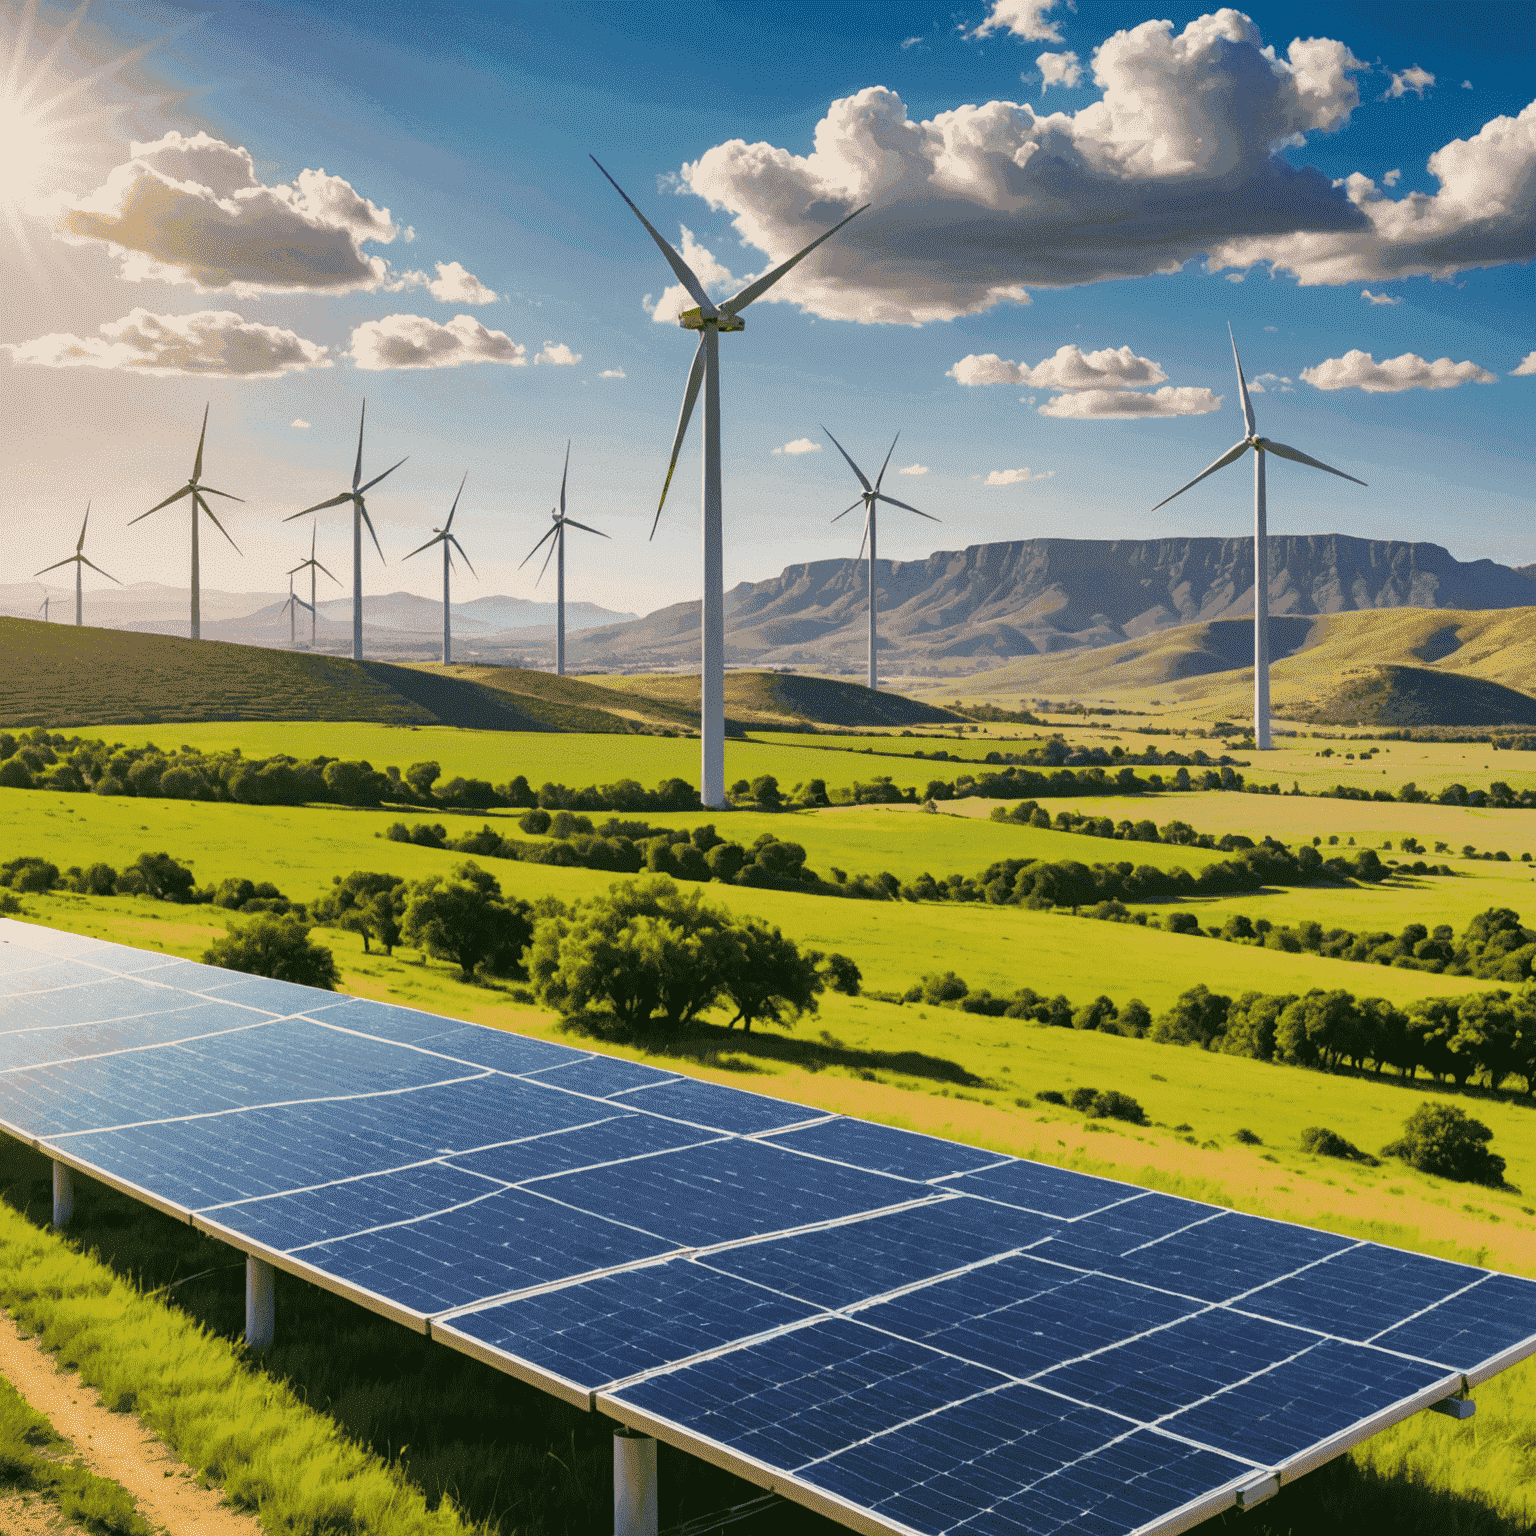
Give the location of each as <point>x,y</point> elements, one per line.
<point>1003,948</point>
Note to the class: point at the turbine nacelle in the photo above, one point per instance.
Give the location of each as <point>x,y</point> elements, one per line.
<point>696,320</point>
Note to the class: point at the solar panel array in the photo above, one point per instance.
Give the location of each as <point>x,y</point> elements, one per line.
<point>903,1332</point>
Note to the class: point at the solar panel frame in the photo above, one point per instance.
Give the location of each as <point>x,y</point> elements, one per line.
<point>1062,1200</point>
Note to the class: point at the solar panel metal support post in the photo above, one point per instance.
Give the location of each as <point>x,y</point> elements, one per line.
<point>63,1195</point>
<point>259,1307</point>
<point>634,1483</point>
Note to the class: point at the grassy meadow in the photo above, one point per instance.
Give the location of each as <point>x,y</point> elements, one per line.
<point>927,1068</point>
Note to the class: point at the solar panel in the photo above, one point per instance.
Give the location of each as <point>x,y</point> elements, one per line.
<point>905,1333</point>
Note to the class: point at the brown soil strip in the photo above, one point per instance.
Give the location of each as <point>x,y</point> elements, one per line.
<point>114,1445</point>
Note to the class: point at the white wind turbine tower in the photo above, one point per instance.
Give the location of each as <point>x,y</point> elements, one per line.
<point>197,491</point>
<point>359,517</point>
<point>1260,446</point>
<point>445,537</point>
<point>79,561</point>
<point>869,498</point>
<point>709,319</point>
<point>556,532</point>
<point>311,565</point>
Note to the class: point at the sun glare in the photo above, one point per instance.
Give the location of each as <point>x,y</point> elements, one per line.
<point>25,152</point>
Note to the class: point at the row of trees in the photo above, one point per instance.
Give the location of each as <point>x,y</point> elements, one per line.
<point>151,874</point>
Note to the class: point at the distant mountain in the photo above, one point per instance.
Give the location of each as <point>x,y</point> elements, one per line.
<point>958,611</point>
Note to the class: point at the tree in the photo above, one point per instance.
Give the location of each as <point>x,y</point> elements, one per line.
<point>463,918</point>
<point>275,946</point>
<point>421,777</point>
<point>842,974</point>
<point>1198,1018</point>
<point>29,874</point>
<point>1101,1013</point>
<point>1445,1141</point>
<point>157,875</point>
<point>765,791</point>
<point>768,978</point>
<point>368,904</point>
<point>1487,1036</point>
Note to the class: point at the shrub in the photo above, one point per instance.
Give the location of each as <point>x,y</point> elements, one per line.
<point>842,974</point>
<point>29,874</point>
<point>157,875</point>
<point>934,988</point>
<point>1247,1137</point>
<point>1083,1098</point>
<point>1322,1142</point>
<point>1445,1141</point>
<point>1113,1105</point>
<point>270,945</point>
<point>1050,1096</point>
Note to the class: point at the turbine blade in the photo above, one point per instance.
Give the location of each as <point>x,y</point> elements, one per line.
<point>357,469</point>
<point>197,465</point>
<point>208,490</point>
<point>887,464</point>
<point>1298,457</point>
<point>80,542</point>
<point>1231,456</point>
<point>846,510</point>
<point>548,533</point>
<point>67,560</point>
<point>864,540</point>
<point>570,522</point>
<point>455,507</point>
<point>303,565</point>
<point>905,508</point>
<point>685,273</point>
<point>465,558</point>
<point>369,521</point>
<point>547,558</point>
<point>198,501</point>
<point>186,490</point>
<point>763,284</point>
<point>98,569</point>
<point>427,545</point>
<point>1242,384</point>
<point>851,465</point>
<point>564,473</point>
<point>336,579</point>
<point>690,398</point>
<point>392,468</point>
<point>319,506</point>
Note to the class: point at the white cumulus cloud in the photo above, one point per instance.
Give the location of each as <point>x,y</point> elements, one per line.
<point>1016,476</point>
<point>1392,178</point>
<point>1108,404</point>
<point>1380,298</point>
<point>298,421</point>
<point>1068,368</point>
<point>1411,79</point>
<point>1024,19</point>
<point>713,274</point>
<point>1263,382</point>
<point>922,469</point>
<point>413,341</point>
<point>213,343</point>
<point>799,446</point>
<point>456,286</point>
<point>611,373</point>
<point>1058,69</point>
<point>1526,368</point>
<point>1359,370</point>
<point>191,210</point>
<point>558,355</point>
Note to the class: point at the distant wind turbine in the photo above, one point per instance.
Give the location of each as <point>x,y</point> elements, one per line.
<point>311,565</point>
<point>79,561</point>
<point>556,532</point>
<point>42,608</point>
<point>869,499</point>
<point>294,603</point>
<point>445,537</point>
<point>1260,446</point>
<point>709,319</point>
<point>197,491</point>
<point>359,517</point>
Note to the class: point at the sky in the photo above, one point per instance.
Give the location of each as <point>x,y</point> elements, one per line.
<point>277,210</point>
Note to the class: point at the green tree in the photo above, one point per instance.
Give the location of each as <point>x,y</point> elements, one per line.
<point>1445,1141</point>
<point>278,946</point>
<point>157,875</point>
<point>765,791</point>
<point>366,903</point>
<point>768,979</point>
<point>841,973</point>
<point>463,918</point>
<point>1197,1018</point>
<point>1487,1036</point>
<point>421,777</point>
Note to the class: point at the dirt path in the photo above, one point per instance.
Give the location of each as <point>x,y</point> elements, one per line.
<point>114,1445</point>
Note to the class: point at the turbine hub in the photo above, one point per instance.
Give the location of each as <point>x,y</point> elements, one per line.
<point>693,320</point>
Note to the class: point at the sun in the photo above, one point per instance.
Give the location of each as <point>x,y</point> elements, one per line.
<point>26,154</point>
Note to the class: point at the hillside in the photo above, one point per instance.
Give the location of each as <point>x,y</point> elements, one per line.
<point>1409,666</point>
<point>957,611</point>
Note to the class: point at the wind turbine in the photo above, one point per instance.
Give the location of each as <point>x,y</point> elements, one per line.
<point>42,608</point>
<point>1260,446</point>
<point>294,603</point>
<point>556,532</point>
<point>311,565</point>
<point>445,537</point>
<point>709,319</point>
<point>79,561</point>
<point>197,491</point>
<point>359,517</point>
<point>869,498</point>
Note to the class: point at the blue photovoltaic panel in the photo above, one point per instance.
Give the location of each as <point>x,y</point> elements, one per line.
<point>884,1149</point>
<point>894,1328</point>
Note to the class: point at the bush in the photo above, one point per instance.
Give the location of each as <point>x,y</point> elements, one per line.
<point>1322,1142</point>
<point>275,946</point>
<point>1050,1096</point>
<point>1247,1137</point>
<point>157,875</point>
<point>1083,1098</point>
<point>29,875</point>
<point>842,974</point>
<point>1113,1105</point>
<point>1445,1141</point>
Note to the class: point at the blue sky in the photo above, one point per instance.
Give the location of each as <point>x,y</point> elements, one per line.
<point>1044,291</point>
